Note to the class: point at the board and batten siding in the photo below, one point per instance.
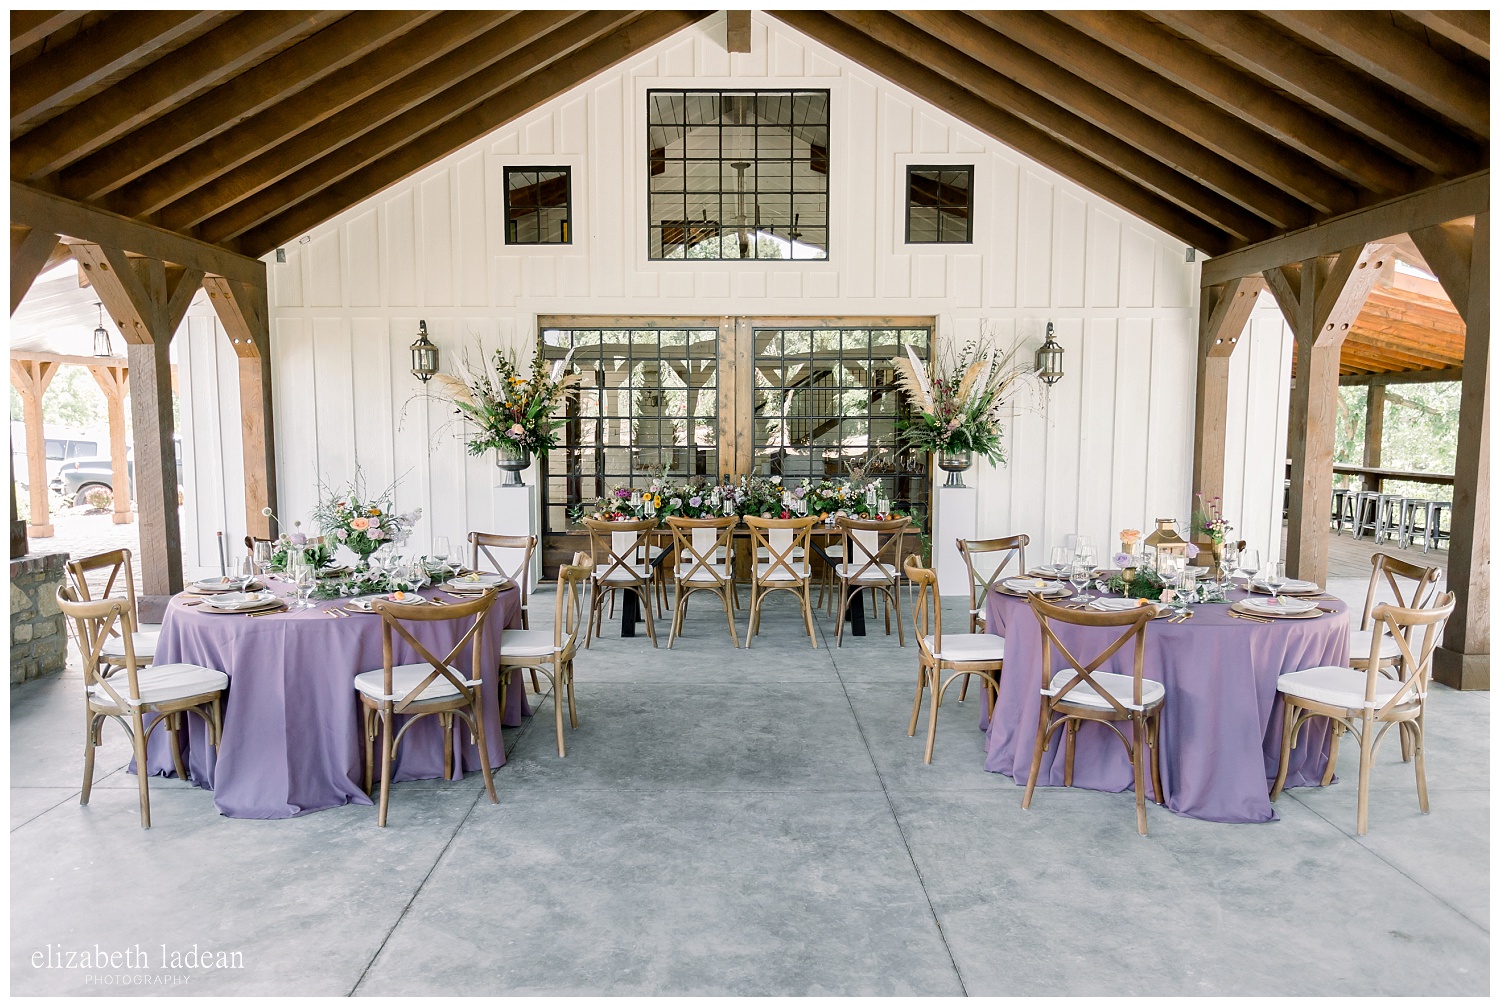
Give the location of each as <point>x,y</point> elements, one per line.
<point>1108,447</point>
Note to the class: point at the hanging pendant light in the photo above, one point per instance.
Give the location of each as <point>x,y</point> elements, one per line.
<point>424,355</point>
<point>1049,359</point>
<point>101,335</point>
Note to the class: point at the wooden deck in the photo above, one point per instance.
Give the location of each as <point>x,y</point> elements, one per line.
<point>1349,557</point>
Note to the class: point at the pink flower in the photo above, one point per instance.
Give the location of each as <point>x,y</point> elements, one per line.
<point>342,534</point>
<point>1192,551</point>
<point>376,534</point>
<point>374,522</point>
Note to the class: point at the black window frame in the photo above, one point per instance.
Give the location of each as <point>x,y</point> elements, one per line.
<point>968,238</point>
<point>819,160</point>
<point>567,172</point>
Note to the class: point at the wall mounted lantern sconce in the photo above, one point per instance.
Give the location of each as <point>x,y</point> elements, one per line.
<point>1049,360</point>
<point>101,335</point>
<point>424,355</point>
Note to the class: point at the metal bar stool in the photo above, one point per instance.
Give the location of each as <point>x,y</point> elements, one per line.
<point>1435,533</point>
<point>1366,512</point>
<point>1411,509</point>
<point>1388,516</point>
<point>1343,509</point>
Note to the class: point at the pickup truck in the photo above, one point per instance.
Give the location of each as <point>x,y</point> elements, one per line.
<point>76,478</point>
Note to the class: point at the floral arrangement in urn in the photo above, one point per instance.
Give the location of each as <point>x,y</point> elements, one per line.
<point>513,413</point>
<point>958,406</point>
<point>350,517</point>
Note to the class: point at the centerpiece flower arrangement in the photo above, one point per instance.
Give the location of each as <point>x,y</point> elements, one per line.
<point>1134,579</point>
<point>351,518</point>
<point>513,413</point>
<point>957,407</point>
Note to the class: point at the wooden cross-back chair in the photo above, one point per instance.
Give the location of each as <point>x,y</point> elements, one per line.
<point>786,567</point>
<point>431,687</point>
<point>1081,692</point>
<point>1358,699</point>
<point>960,654</point>
<point>551,652</point>
<point>1413,587</point>
<point>127,692</point>
<point>702,550</point>
<point>493,550</point>
<point>872,561</point>
<point>987,559</point>
<point>621,554</point>
<point>120,576</point>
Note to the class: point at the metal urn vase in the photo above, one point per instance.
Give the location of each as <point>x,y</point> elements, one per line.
<point>512,461</point>
<point>955,463</point>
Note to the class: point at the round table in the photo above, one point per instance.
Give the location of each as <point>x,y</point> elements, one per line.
<point>1221,723</point>
<point>292,741</point>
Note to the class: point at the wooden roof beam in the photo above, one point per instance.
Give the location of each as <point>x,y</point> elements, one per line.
<point>117,42</point>
<point>1401,349</point>
<point>1002,92</point>
<point>202,64</point>
<point>1468,28</point>
<point>1007,128</point>
<point>1242,95</point>
<point>313,104</point>
<point>328,167</point>
<point>1371,42</point>
<point>360,118</point>
<point>1175,106</point>
<point>286,73</point>
<point>1405,377</point>
<point>28,27</point>
<point>536,89</point>
<point>1104,110</point>
<point>1344,94</point>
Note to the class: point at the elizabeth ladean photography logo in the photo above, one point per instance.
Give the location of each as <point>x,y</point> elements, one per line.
<point>134,965</point>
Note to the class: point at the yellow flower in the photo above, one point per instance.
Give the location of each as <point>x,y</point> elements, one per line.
<point>374,511</point>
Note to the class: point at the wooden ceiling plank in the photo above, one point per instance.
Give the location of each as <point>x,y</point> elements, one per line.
<point>1468,28</point>
<point>1005,127</point>
<point>78,222</point>
<point>360,118</point>
<point>1402,351</point>
<point>286,73</point>
<point>1242,95</point>
<point>1438,204</point>
<point>83,61</point>
<point>28,27</point>
<point>1371,42</point>
<point>1002,92</point>
<point>323,171</point>
<point>1406,377</point>
<point>1104,110</point>
<point>404,56</point>
<point>1178,108</point>
<point>202,64</point>
<point>1330,87</point>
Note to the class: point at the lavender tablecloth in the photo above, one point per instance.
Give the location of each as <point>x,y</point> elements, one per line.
<point>293,742</point>
<point>1221,725</point>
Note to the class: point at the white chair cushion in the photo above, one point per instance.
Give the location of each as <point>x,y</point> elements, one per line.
<point>1359,646</point>
<point>145,645</point>
<point>1335,686</point>
<point>625,573</point>
<point>162,683</point>
<point>767,571</point>
<point>1122,687</point>
<point>704,574</point>
<point>405,678</point>
<point>526,643</point>
<point>872,573</point>
<point>969,647</point>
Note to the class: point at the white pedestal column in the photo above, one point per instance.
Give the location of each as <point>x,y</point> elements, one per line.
<point>518,512</point>
<point>957,517</point>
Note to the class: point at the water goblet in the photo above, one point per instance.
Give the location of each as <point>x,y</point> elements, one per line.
<point>1249,561</point>
<point>1061,560</point>
<point>262,557</point>
<point>440,549</point>
<point>1275,578</point>
<point>1078,576</point>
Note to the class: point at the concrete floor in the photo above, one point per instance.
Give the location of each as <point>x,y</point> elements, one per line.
<point>755,822</point>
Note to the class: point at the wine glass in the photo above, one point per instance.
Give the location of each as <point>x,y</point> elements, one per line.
<point>303,578</point>
<point>1249,565</point>
<point>1275,578</point>
<point>1061,560</point>
<point>244,573</point>
<point>262,557</point>
<point>1086,558</point>
<point>440,549</point>
<point>1078,576</point>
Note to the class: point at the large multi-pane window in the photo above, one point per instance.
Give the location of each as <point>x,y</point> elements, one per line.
<point>647,405</point>
<point>826,404</point>
<point>738,174</point>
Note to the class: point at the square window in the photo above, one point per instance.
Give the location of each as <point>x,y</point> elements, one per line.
<point>939,204</point>
<point>539,206</point>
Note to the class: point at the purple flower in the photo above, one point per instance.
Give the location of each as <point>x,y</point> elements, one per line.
<point>1192,551</point>
<point>299,539</point>
<point>1124,560</point>
<point>376,534</point>
<point>342,534</point>
<point>621,493</point>
<point>695,502</point>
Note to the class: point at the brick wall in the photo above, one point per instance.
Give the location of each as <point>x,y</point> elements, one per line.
<point>38,637</point>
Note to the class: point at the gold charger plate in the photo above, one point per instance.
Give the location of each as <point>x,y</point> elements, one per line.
<point>271,606</point>
<point>1313,614</point>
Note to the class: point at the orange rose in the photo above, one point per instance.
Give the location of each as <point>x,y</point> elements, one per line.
<point>360,524</point>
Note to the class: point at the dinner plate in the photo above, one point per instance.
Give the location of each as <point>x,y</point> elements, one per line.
<point>1278,606</point>
<point>363,604</point>
<point>1127,605</point>
<point>1049,571</point>
<point>240,603</point>
<point>1290,587</point>
<point>1280,612</point>
<point>223,585</point>
<point>1022,586</point>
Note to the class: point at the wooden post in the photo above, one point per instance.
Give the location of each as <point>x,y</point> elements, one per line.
<point>1459,253</point>
<point>148,299</point>
<point>1374,432</point>
<point>1223,311</point>
<point>111,379</point>
<point>31,378</point>
<point>243,310</point>
<point>1320,299</point>
<point>737,31</point>
<point>30,250</point>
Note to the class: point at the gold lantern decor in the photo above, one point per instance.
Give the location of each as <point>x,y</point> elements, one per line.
<point>1166,540</point>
